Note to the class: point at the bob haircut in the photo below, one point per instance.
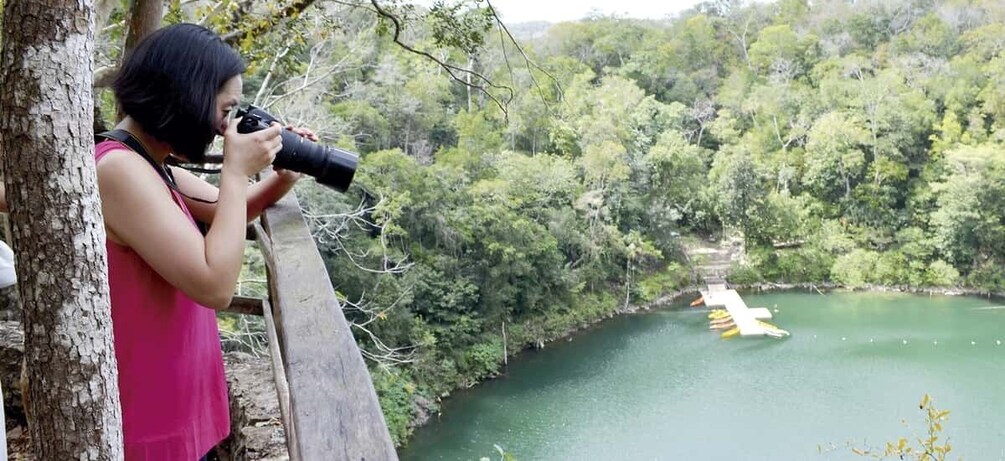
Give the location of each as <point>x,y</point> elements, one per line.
<point>170,82</point>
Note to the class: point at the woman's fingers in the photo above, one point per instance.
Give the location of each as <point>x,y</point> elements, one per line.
<point>305,132</point>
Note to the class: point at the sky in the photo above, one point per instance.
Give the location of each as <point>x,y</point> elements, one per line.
<point>515,11</point>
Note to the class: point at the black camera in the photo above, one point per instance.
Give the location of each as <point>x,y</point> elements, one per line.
<point>328,165</point>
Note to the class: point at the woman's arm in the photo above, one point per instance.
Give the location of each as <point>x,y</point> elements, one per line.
<point>141,214</point>
<point>3,198</point>
<point>261,194</point>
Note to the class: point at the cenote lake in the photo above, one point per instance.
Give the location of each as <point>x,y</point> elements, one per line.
<point>661,386</point>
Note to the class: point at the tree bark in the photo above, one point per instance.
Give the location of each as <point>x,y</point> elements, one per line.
<point>144,17</point>
<point>58,233</point>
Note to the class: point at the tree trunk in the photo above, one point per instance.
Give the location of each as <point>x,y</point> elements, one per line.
<point>144,18</point>
<point>471,66</point>
<point>48,155</point>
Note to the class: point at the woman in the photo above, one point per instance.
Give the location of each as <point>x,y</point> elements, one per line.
<point>167,278</point>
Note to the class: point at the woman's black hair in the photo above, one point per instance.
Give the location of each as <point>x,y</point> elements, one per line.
<point>169,85</point>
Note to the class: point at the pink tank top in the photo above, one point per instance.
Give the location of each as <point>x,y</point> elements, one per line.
<point>171,380</point>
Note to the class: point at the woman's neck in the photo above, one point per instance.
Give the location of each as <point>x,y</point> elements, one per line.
<point>156,149</point>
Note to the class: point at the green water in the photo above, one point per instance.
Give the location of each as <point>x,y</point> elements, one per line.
<point>661,386</point>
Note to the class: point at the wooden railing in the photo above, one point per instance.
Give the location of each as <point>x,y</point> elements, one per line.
<point>328,404</point>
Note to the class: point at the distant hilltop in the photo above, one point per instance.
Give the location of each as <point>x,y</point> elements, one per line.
<point>529,30</point>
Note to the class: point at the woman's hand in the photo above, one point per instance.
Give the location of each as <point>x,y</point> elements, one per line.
<point>289,175</point>
<point>304,132</point>
<point>249,153</point>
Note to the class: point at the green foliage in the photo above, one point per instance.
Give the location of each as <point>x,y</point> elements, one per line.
<point>930,446</point>
<point>855,269</point>
<point>740,193</point>
<point>671,278</point>
<point>780,50</point>
<point>371,127</point>
<point>930,36</point>
<point>834,157</point>
<point>476,133</point>
<point>677,174</point>
<point>941,274</point>
<point>395,392</point>
<point>482,360</point>
<point>745,275</point>
<point>989,276</point>
<point>460,25</point>
<point>805,264</point>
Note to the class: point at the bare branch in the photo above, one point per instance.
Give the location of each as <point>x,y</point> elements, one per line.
<point>104,76</point>
<point>102,10</point>
<point>304,86</point>
<point>331,229</point>
<point>384,354</point>
<point>372,313</point>
<point>266,99</point>
<point>451,69</point>
<point>531,65</point>
<point>249,336</point>
<point>268,75</point>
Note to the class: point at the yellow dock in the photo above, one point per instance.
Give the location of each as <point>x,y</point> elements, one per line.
<point>746,319</point>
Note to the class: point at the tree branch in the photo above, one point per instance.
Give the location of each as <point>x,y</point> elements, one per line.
<point>220,4</point>
<point>385,354</point>
<point>531,65</point>
<point>104,76</point>
<point>291,11</point>
<point>331,229</point>
<point>268,75</point>
<point>451,69</point>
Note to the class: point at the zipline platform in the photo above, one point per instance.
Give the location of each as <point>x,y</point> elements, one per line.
<point>745,318</point>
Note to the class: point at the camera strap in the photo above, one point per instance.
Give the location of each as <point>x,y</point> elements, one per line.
<point>135,145</point>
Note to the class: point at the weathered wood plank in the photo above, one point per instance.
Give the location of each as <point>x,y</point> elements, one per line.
<point>282,387</point>
<point>245,305</point>
<point>278,365</point>
<point>333,404</point>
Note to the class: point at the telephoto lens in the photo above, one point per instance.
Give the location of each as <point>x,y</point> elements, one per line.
<point>328,165</point>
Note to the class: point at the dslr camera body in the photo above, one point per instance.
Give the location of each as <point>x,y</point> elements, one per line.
<point>329,166</point>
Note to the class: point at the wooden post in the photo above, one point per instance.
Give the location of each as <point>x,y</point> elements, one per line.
<point>275,353</point>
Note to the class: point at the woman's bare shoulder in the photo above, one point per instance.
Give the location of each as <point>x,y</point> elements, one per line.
<point>125,167</point>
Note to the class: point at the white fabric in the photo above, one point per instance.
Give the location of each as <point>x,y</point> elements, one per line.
<point>7,276</point>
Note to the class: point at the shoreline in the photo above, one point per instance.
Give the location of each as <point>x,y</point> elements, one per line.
<point>668,299</point>
<point>931,291</point>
